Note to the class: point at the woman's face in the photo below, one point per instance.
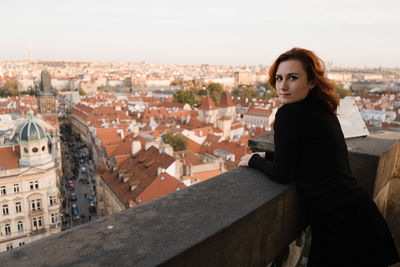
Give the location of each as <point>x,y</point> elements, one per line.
<point>291,81</point>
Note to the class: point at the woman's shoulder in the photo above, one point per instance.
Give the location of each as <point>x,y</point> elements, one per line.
<point>305,106</point>
<point>293,109</point>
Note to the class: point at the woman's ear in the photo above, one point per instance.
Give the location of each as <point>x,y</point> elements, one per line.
<point>312,85</point>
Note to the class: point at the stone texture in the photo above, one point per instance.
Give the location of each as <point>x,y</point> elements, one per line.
<point>393,210</point>
<point>238,218</point>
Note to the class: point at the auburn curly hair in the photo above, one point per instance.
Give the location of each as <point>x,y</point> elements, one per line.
<point>324,89</point>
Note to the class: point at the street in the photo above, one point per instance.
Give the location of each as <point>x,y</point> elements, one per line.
<point>78,182</point>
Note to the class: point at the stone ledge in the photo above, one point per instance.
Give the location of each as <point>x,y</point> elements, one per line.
<point>235,219</point>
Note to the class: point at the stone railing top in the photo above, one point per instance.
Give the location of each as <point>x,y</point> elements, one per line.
<point>156,231</point>
<point>379,141</point>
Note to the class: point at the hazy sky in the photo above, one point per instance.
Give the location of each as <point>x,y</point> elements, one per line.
<point>346,32</point>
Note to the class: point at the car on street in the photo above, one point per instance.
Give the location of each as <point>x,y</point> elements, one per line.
<point>75,212</point>
<point>73,197</point>
<point>91,205</point>
<point>71,185</point>
<point>83,170</point>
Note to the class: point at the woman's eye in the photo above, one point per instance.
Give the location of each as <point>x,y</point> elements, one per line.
<point>279,78</point>
<point>292,78</point>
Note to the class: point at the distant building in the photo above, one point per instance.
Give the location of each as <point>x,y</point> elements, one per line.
<point>47,97</point>
<point>207,112</point>
<point>244,77</point>
<point>146,175</point>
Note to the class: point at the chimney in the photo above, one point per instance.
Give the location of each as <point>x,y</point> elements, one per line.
<point>136,147</point>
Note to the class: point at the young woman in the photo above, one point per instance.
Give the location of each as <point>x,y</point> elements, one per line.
<point>346,225</point>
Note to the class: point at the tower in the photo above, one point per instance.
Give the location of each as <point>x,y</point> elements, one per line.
<point>47,97</point>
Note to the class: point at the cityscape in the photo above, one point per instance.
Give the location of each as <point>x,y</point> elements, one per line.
<point>122,125</point>
<point>84,140</point>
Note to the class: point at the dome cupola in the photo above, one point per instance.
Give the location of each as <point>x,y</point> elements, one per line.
<point>31,130</point>
<point>33,141</point>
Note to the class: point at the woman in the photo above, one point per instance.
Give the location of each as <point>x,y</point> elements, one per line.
<point>347,227</point>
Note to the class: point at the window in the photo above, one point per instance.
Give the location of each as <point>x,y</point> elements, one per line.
<point>3,190</point>
<point>37,223</point>
<point>54,218</point>
<point>7,229</point>
<point>36,204</point>
<point>53,200</point>
<point>9,246</point>
<point>5,209</point>
<point>18,207</point>
<point>16,188</point>
<point>21,242</point>
<point>20,226</point>
<point>34,185</point>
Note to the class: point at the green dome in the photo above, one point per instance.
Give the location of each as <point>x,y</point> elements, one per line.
<point>31,130</point>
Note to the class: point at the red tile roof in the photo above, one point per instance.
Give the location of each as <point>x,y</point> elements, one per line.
<point>164,184</point>
<point>9,157</point>
<point>207,104</point>
<point>226,102</point>
<point>139,171</point>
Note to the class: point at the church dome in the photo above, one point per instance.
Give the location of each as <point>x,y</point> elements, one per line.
<point>31,130</point>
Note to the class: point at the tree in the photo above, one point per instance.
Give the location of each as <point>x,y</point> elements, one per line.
<point>81,91</point>
<point>339,89</point>
<point>215,91</point>
<point>187,96</point>
<point>202,92</point>
<point>177,141</point>
<point>245,92</point>
<point>10,88</point>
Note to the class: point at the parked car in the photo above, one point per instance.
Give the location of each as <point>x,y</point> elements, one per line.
<point>92,208</point>
<point>71,185</point>
<point>83,170</point>
<point>75,212</point>
<point>73,197</point>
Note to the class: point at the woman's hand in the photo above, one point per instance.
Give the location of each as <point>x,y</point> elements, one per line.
<point>244,161</point>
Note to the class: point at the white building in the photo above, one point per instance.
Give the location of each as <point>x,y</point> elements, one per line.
<point>29,195</point>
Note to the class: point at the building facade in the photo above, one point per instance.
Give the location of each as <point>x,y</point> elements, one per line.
<point>29,194</point>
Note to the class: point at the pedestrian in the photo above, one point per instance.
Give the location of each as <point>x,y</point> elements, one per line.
<point>85,195</point>
<point>346,226</point>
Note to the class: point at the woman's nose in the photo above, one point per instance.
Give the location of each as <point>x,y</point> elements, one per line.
<point>284,85</point>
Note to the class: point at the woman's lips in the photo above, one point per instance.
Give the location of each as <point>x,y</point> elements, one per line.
<point>285,95</point>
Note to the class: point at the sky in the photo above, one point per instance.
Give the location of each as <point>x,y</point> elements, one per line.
<point>353,33</point>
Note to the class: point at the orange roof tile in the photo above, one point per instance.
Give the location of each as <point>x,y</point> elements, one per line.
<point>164,184</point>
<point>207,104</point>
<point>139,171</point>
<point>9,157</point>
<point>226,102</point>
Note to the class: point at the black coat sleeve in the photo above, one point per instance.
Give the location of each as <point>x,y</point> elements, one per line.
<point>283,167</point>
